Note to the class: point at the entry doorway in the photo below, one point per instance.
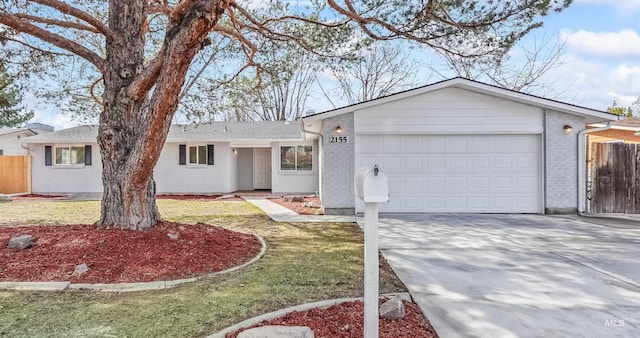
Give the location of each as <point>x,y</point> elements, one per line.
<point>261,168</point>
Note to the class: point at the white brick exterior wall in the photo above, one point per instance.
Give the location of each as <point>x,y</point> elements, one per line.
<point>338,166</point>
<point>561,162</point>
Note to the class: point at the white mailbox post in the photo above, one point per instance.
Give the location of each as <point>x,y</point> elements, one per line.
<point>372,187</point>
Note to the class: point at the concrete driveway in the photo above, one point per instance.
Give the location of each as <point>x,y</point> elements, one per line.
<point>517,275</point>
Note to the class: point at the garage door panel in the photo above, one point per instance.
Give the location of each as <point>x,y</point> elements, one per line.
<point>479,202</point>
<point>525,183</point>
<point>480,162</point>
<point>391,144</point>
<point>434,144</point>
<point>391,162</point>
<point>436,162</point>
<point>479,143</point>
<point>457,162</point>
<point>413,163</point>
<point>479,183</point>
<point>502,162</point>
<point>457,183</point>
<point>525,162</point>
<point>414,183</point>
<point>435,182</point>
<point>456,173</point>
<point>413,145</point>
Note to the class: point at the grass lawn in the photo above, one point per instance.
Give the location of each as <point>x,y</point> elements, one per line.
<point>304,262</point>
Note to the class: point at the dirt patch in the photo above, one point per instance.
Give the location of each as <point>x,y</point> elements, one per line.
<point>199,197</point>
<point>37,197</point>
<point>299,207</point>
<point>346,320</point>
<point>167,251</point>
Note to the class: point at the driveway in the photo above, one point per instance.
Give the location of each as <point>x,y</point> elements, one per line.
<point>517,275</point>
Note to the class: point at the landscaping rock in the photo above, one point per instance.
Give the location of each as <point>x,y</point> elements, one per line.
<point>173,235</point>
<point>277,331</point>
<point>4,198</point>
<point>310,205</point>
<point>293,198</point>
<point>225,197</point>
<point>21,242</point>
<point>81,268</point>
<point>392,309</point>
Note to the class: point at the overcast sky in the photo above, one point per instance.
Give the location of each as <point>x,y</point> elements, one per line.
<point>601,60</point>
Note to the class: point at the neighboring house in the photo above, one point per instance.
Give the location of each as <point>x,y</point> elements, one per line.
<point>453,146</point>
<point>10,138</point>
<point>218,157</point>
<point>624,130</point>
<point>457,146</point>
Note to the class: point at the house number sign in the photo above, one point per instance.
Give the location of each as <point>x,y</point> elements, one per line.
<point>339,139</point>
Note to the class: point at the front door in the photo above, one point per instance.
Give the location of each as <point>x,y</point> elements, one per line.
<point>262,168</point>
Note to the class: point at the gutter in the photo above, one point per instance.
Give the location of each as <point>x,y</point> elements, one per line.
<point>304,131</point>
<point>582,168</point>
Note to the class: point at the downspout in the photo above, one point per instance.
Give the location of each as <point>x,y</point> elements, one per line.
<point>582,170</point>
<point>29,150</point>
<point>320,146</point>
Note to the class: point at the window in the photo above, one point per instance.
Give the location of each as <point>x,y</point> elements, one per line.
<point>70,155</point>
<point>195,155</point>
<point>1,152</point>
<point>296,158</point>
<point>198,155</point>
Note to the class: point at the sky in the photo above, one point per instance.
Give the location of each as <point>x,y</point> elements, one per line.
<point>601,62</point>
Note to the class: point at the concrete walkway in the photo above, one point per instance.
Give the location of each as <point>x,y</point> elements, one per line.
<point>517,275</point>
<point>279,213</point>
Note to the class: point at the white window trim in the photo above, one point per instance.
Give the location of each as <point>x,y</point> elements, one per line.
<point>188,155</point>
<point>61,165</point>
<point>296,170</point>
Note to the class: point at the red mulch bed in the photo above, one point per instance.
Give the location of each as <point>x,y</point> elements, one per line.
<point>298,206</point>
<point>346,320</point>
<point>37,197</point>
<point>116,256</point>
<point>197,197</point>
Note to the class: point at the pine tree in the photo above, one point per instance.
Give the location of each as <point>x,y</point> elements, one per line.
<point>11,113</point>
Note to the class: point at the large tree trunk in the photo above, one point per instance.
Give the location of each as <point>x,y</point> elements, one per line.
<point>128,199</point>
<point>139,103</point>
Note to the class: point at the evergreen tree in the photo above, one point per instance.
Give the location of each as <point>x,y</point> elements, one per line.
<point>11,113</point>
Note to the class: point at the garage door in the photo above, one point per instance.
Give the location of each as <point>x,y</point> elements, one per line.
<point>456,173</point>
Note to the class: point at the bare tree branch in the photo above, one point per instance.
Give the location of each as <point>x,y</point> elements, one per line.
<point>54,39</point>
<point>60,23</point>
<point>30,46</point>
<point>84,16</point>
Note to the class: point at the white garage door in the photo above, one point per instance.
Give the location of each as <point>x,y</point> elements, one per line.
<point>456,173</point>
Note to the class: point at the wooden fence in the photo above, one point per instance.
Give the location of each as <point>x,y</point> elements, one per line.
<point>615,178</point>
<point>15,174</point>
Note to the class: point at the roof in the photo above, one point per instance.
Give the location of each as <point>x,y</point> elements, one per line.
<point>475,86</point>
<point>16,130</point>
<point>206,132</point>
<point>629,123</point>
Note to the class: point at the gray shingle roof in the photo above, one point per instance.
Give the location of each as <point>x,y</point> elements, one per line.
<point>214,131</point>
<point>628,122</point>
<point>15,130</point>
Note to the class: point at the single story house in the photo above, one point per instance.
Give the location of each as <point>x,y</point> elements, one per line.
<point>453,146</point>
<point>210,158</point>
<point>10,138</point>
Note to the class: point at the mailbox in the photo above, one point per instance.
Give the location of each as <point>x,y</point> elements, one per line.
<point>372,185</point>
